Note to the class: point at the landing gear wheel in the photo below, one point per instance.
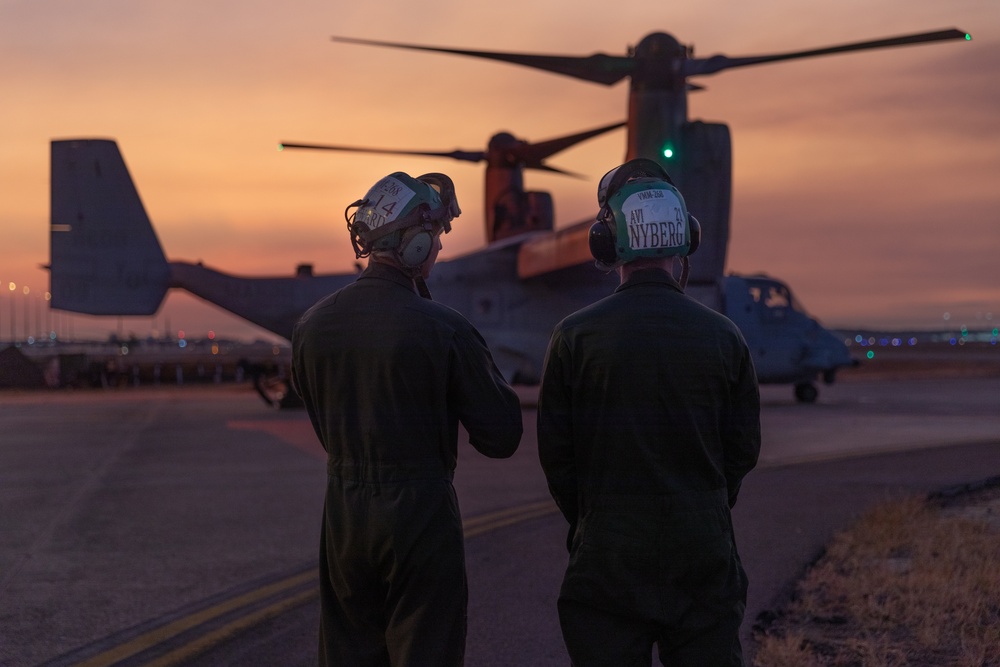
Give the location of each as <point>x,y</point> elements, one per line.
<point>806,392</point>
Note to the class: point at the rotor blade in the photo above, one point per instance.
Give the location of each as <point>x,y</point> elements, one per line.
<point>703,66</point>
<point>554,170</point>
<point>467,156</point>
<point>534,154</point>
<point>598,68</point>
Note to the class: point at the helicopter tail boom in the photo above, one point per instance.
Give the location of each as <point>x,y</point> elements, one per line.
<point>105,258</point>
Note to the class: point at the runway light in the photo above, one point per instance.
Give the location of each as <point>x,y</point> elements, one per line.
<point>871,354</point>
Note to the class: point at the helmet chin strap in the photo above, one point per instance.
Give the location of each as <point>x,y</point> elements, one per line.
<point>421,286</point>
<point>685,270</point>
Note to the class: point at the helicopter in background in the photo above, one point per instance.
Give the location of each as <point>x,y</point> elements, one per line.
<point>106,260</point>
<point>787,344</point>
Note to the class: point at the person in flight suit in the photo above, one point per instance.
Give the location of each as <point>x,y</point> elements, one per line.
<point>648,420</point>
<point>387,376</point>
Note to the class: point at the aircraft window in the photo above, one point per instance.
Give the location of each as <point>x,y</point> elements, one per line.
<point>773,300</point>
<point>778,297</point>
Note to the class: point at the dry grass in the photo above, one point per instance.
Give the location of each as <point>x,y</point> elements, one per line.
<point>914,582</point>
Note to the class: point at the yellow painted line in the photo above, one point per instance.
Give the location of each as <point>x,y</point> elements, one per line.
<point>225,632</point>
<point>527,512</point>
<point>159,635</point>
<point>472,527</point>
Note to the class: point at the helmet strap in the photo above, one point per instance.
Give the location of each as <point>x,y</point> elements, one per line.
<point>421,285</point>
<point>685,270</point>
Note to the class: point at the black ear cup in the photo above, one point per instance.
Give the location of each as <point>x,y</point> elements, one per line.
<point>602,240</point>
<point>415,247</point>
<point>695,227</point>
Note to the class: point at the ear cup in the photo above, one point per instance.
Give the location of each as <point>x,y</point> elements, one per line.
<point>415,247</point>
<point>602,240</point>
<point>695,239</point>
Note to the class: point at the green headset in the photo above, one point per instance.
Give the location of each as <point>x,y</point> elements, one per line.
<point>403,215</point>
<point>642,215</point>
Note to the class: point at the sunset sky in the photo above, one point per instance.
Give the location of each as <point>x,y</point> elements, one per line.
<point>870,182</point>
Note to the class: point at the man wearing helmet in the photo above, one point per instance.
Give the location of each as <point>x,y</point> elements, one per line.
<point>387,375</point>
<point>648,420</point>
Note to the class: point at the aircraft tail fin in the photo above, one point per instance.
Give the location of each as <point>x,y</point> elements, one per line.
<point>105,258</point>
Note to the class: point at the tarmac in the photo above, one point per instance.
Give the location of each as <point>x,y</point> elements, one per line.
<point>128,514</point>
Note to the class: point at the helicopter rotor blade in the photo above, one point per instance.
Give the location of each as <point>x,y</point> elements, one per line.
<point>465,156</point>
<point>533,154</point>
<point>597,68</point>
<point>704,66</point>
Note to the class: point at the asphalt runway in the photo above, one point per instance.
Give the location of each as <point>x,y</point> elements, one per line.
<point>179,526</point>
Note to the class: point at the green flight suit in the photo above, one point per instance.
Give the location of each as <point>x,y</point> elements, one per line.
<point>648,420</point>
<point>386,377</point>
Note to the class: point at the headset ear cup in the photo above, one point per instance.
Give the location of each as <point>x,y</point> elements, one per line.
<point>415,247</point>
<point>695,229</point>
<point>602,240</point>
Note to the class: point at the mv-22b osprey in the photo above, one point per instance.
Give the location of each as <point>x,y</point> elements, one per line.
<point>106,259</point>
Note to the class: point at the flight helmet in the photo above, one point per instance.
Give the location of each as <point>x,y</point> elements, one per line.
<point>642,215</point>
<point>403,215</point>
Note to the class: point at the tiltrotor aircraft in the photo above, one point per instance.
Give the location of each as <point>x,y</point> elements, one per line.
<point>106,259</point>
